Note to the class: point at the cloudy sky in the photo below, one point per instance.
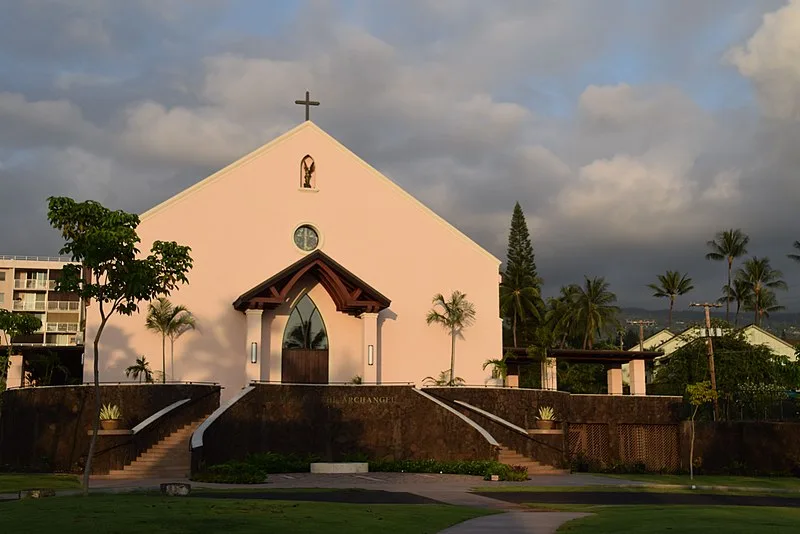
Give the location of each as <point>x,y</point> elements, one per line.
<point>630,131</point>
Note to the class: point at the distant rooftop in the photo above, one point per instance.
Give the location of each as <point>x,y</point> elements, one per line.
<point>62,259</point>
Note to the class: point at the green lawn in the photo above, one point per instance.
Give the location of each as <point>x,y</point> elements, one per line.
<point>784,483</point>
<point>617,489</point>
<point>10,483</point>
<point>135,513</point>
<point>682,519</point>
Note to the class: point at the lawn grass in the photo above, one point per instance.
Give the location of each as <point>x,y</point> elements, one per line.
<point>783,483</point>
<point>13,482</point>
<point>683,519</point>
<point>624,489</point>
<point>135,513</point>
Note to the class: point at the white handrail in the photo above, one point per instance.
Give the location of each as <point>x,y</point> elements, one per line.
<point>466,419</point>
<point>141,426</point>
<point>493,417</point>
<point>197,435</point>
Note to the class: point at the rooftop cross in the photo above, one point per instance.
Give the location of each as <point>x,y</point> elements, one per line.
<point>307,103</point>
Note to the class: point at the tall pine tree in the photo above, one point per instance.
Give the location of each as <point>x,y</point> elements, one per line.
<point>520,296</point>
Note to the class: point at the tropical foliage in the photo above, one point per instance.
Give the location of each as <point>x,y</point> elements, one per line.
<point>443,380</point>
<point>111,272</point>
<point>698,395</point>
<point>795,257</point>
<point>761,278</point>
<point>740,292</point>
<point>454,314</point>
<point>670,285</point>
<point>110,412</point>
<point>593,309</point>
<point>13,325</point>
<point>140,370</point>
<point>727,246</point>
<point>520,286</point>
<point>170,322</point>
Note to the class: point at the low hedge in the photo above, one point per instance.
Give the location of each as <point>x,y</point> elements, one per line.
<point>254,468</point>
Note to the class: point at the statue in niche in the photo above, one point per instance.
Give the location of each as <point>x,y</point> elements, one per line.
<point>308,169</point>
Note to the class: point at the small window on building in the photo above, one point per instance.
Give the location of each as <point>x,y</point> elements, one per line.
<point>2,276</point>
<point>2,299</point>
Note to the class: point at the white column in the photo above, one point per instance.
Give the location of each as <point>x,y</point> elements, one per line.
<point>637,377</point>
<point>253,370</point>
<point>550,374</point>
<point>276,329</point>
<point>15,374</point>
<point>370,324</point>
<point>615,380</point>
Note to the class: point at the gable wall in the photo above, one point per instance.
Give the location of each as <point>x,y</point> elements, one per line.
<point>240,230</point>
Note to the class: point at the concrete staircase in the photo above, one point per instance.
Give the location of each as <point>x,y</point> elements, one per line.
<point>169,458</point>
<point>511,457</point>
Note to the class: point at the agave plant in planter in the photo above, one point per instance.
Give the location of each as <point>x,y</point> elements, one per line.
<point>546,418</point>
<point>110,417</point>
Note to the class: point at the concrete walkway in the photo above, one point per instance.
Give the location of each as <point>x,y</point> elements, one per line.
<point>515,523</point>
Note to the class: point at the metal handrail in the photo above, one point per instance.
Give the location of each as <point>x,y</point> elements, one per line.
<point>278,382</point>
<point>62,259</point>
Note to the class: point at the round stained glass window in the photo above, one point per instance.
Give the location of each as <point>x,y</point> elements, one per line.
<point>306,238</point>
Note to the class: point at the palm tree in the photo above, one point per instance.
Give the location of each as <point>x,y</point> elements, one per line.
<point>740,293</point>
<point>760,276</point>
<point>519,299</point>
<point>766,303</point>
<point>795,257</point>
<point>171,322</point>
<point>141,369</point>
<point>673,284</point>
<point>457,313</point>
<point>594,308</point>
<point>728,245</point>
<point>561,313</point>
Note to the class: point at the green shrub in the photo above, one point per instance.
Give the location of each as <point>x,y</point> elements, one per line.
<point>272,462</point>
<point>232,472</point>
<point>483,468</point>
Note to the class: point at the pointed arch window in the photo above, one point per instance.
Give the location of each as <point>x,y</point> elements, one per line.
<point>305,328</point>
<point>308,173</point>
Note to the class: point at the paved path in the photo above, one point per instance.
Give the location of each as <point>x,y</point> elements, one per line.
<point>616,498</point>
<point>515,523</point>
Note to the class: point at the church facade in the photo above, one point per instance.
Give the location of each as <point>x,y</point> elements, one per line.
<point>309,267</point>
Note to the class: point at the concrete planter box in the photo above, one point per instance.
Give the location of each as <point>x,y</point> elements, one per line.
<point>342,467</point>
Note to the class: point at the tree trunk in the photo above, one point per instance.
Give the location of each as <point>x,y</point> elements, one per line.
<point>755,302</point>
<point>172,358</point>
<point>514,329</point>
<point>727,301</point>
<point>585,338</point>
<point>96,419</point>
<point>163,358</point>
<point>453,357</point>
<point>691,449</point>
<point>671,305</point>
<point>738,306</point>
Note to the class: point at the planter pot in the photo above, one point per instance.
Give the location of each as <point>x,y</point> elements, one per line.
<point>545,425</point>
<point>497,382</point>
<point>111,424</point>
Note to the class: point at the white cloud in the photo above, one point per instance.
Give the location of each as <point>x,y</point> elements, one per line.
<point>771,59</point>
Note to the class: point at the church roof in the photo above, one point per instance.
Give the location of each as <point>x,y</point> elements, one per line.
<point>222,173</point>
<point>350,294</point>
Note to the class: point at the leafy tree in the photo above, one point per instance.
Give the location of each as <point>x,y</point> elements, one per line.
<point>40,368</point>
<point>594,308</point>
<point>760,276</point>
<point>140,370</point>
<point>582,378</point>
<point>13,325</point>
<point>171,322</point>
<point>736,363</point>
<point>111,273</point>
<point>698,395</point>
<point>727,246</point>
<point>520,287</point>
<point>741,292</point>
<point>795,257</point>
<point>670,285</point>
<point>457,313</point>
<point>561,315</point>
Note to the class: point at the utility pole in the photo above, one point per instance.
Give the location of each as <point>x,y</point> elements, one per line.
<point>710,345</point>
<point>642,323</point>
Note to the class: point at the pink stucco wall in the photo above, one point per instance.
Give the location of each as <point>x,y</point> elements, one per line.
<point>239,225</point>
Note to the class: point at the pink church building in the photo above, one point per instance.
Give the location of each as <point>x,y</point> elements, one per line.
<point>310,266</point>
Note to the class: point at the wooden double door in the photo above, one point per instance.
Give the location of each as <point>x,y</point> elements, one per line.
<point>304,366</point>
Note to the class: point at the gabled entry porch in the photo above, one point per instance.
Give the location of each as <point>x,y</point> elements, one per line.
<point>314,322</point>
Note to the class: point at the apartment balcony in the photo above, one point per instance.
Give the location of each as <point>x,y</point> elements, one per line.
<point>34,284</point>
<point>63,305</point>
<point>62,327</point>
<point>22,305</point>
